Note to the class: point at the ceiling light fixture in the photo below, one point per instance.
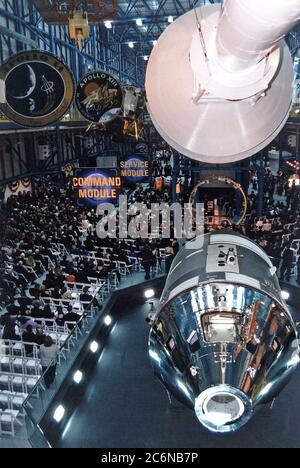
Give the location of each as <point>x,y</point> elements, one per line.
<point>108,24</point>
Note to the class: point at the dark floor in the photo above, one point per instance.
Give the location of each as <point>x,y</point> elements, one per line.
<point>125,406</point>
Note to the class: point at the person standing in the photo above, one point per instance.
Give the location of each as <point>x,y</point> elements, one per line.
<point>28,337</point>
<point>169,257</point>
<point>10,328</point>
<point>175,246</point>
<point>147,261</point>
<point>298,266</point>
<point>48,355</point>
<point>287,261</point>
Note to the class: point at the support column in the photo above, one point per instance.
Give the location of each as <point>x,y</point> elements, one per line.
<point>196,172</point>
<point>59,151</point>
<point>261,178</point>
<point>186,173</point>
<point>51,37</point>
<point>280,150</point>
<point>94,43</point>
<point>238,202</point>
<point>30,153</point>
<point>175,174</point>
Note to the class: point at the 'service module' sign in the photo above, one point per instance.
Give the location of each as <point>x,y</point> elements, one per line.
<point>135,168</point>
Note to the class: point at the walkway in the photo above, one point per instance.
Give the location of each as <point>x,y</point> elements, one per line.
<point>125,406</point>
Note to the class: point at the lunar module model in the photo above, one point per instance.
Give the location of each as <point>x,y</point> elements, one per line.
<point>223,341</point>
<point>219,88</point>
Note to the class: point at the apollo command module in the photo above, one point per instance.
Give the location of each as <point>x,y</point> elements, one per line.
<point>223,341</point>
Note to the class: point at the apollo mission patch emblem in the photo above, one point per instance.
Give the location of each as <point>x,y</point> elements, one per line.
<point>38,88</point>
<point>99,97</point>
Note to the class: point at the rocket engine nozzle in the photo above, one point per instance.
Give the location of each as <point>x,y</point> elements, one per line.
<point>223,409</point>
<point>219,83</point>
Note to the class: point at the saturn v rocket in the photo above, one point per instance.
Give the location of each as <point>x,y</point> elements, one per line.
<point>219,89</point>
<point>223,341</point>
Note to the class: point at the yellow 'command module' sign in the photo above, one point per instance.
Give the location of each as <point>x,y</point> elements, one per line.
<point>94,186</point>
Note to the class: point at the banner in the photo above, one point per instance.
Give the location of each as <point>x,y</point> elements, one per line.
<point>38,88</point>
<point>16,187</point>
<point>94,186</point>
<point>135,168</point>
<point>141,148</point>
<point>99,97</point>
<point>68,169</point>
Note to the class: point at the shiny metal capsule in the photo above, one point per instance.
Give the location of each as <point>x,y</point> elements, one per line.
<point>223,341</point>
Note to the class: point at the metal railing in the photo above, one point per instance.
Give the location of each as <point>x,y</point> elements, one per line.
<point>34,407</point>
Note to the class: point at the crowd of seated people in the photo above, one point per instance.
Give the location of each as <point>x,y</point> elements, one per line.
<point>49,244</point>
<point>43,239</point>
<point>278,230</point>
<point>43,236</point>
<point>40,230</point>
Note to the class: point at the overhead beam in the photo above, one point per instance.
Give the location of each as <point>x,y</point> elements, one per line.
<point>144,18</point>
<point>19,37</point>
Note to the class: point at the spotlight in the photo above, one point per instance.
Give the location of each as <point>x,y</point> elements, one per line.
<point>285,295</point>
<point>108,24</point>
<point>139,22</point>
<point>294,361</point>
<point>149,293</point>
<point>59,413</point>
<point>108,320</point>
<point>297,111</point>
<point>266,390</point>
<point>77,377</point>
<point>170,19</point>
<point>94,347</point>
<point>154,42</point>
<point>131,45</point>
<point>145,58</point>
